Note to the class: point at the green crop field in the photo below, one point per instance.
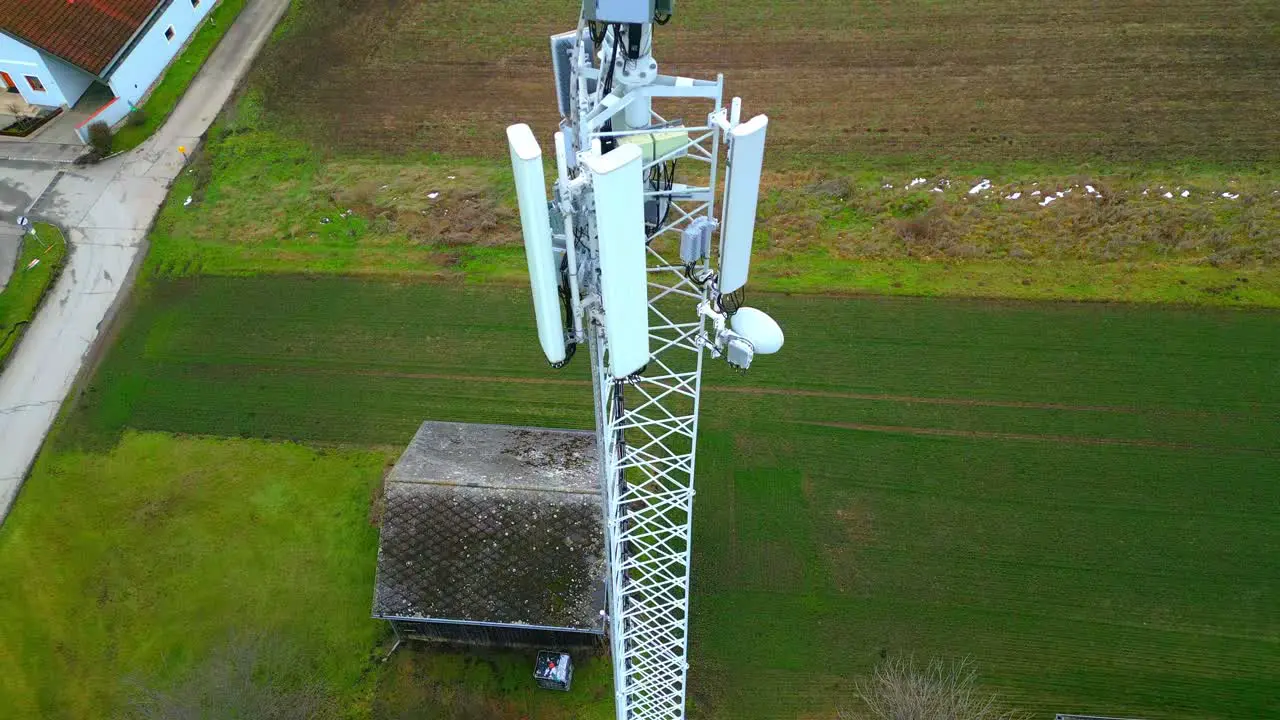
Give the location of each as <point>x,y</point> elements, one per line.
<point>1080,497</point>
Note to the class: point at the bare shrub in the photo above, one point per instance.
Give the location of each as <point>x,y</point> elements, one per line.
<point>929,229</point>
<point>361,196</point>
<point>964,251</point>
<point>902,690</point>
<point>837,188</point>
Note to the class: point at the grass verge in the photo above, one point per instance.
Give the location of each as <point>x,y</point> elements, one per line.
<point>168,91</point>
<point>21,297</point>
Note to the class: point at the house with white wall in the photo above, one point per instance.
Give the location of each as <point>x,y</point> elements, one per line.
<point>51,51</point>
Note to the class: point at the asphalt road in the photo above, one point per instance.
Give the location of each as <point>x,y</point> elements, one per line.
<point>105,210</point>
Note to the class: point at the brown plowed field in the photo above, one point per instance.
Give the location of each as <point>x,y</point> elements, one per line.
<point>1189,81</point>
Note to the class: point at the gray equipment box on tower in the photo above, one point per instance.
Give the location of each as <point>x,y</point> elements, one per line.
<point>619,11</point>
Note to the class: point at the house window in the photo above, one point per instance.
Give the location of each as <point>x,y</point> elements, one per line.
<point>168,34</point>
<point>35,83</point>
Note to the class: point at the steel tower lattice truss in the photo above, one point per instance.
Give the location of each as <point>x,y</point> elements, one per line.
<point>646,399</point>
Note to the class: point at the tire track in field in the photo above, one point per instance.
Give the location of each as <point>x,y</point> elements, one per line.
<point>1032,437</point>
<point>796,392</point>
<point>965,402</point>
<point>871,397</point>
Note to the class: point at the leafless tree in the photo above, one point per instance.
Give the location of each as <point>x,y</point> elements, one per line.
<point>902,690</point>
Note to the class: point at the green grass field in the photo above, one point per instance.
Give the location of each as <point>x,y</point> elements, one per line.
<point>1078,496</point>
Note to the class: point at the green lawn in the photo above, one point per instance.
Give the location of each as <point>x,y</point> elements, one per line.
<point>1078,496</point>
<point>173,84</point>
<point>159,565</point>
<point>21,297</point>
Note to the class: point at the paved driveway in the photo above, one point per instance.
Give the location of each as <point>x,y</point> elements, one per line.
<point>105,210</point>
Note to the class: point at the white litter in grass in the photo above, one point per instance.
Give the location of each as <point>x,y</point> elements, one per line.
<point>887,186</point>
<point>918,181</point>
<point>325,221</point>
<point>1186,193</point>
<point>433,195</point>
<point>33,263</point>
<point>984,185</point>
<point>1090,189</point>
<point>1144,191</point>
<point>1168,196</point>
<point>936,190</point>
<point>1035,193</point>
<point>1231,195</point>
<point>187,201</point>
<point>1014,196</point>
<point>451,177</point>
<point>384,187</point>
<point>1048,200</point>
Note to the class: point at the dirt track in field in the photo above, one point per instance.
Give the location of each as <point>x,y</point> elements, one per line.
<point>1031,437</point>
<point>1186,81</point>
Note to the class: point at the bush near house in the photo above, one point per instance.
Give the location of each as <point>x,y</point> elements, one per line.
<point>101,138</point>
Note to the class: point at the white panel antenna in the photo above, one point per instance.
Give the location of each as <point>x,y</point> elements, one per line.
<point>544,276</point>
<point>742,189</point>
<point>619,212</point>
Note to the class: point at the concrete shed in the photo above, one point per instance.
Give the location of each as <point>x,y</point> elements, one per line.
<point>493,535</point>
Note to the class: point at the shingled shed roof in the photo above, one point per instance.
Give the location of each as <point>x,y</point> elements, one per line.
<point>493,524</point>
<point>86,33</point>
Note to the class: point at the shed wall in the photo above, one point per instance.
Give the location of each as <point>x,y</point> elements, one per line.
<point>495,636</point>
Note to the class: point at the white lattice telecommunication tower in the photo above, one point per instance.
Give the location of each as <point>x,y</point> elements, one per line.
<point>622,259</point>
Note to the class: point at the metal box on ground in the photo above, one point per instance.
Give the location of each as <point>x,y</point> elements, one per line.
<point>553,670</point>
<point>493,535</point>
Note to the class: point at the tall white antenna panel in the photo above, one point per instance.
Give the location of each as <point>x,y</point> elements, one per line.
<point>742,189</point>
<point>619,201</point>
<point>531,189</point>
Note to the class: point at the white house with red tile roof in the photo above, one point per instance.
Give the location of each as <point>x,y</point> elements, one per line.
<point>51,51</point>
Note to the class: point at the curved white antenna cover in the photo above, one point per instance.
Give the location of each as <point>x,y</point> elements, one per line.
<point>757,327</point>
<point>535,224</point>
<point>742,189</point>
<point>618,190</point>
